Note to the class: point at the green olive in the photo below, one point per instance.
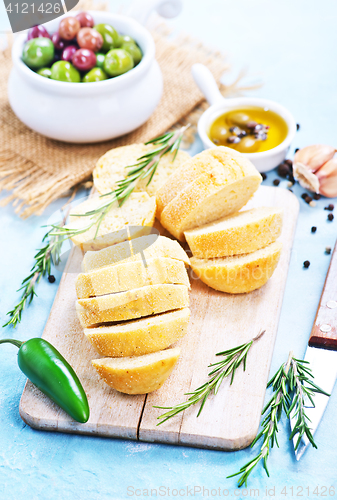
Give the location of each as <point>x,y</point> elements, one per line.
<point>64,71</point>
<point>117,62</point>
<point>46,72</point>
<point>247,145</point>
<point>38,52</point>
<point>219,134</point>
<point>100,60</point>
<point>237,118</point>
<point>126,39</point>
<point>110,36</point>
<point>134,50</point>
<point>94,75</point>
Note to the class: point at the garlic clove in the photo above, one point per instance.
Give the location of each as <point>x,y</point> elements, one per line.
<point>305,177</point>
<point>313,157</point>
<point>327,178</point>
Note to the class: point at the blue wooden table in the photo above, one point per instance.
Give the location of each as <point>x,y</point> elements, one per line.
<point>291,46</point>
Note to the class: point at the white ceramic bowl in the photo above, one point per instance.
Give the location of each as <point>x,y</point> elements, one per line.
<point>98,111</point>
<point>264,161</point>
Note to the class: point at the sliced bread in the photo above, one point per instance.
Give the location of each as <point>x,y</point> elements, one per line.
<point>243,232</point>
<point>238,274</point>
<point>145,301</point>
<point>138,210</point>
<point>110,168</point>
<point>129,275</point>
<point>139,374</point>
<point>223,182</point>
<point>153,247</point>
<point>141,336</point>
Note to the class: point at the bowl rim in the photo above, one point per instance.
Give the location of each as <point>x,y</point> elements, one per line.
<point>217,109</point>
<point>145,41</point>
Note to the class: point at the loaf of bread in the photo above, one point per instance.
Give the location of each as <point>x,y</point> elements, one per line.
<point>138,210</point>
<point>241,273</point>
<point>129,275</point>
<point>214,184</point>
<point>241,233</point>
<point>110,168</point>
<point>141,336</point>
<point>153,245</point>
<point>139,374</point>
<point>145,301</point>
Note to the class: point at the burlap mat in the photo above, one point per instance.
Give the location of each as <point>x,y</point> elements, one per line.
<point>38,170</point>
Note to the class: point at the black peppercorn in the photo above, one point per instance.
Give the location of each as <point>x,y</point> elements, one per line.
<point>304,195</point>
<point>313,229</point>
<point>264,176</point>
<point>330,217</point>
<point>289,162</point>
<point>51,278</point>
<point>276,182</point>
<point>308,199</point>
<point>298,126</point>
<point>306,264</point>
<point>297,149</point>
<point>283,170</point>
<point>328,250</point>
<point>317,196</point>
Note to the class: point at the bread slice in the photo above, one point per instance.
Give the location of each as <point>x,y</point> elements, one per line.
<point>140,374</point>
<point>152,299</point>
<point>153,245</point>
<point>141,336</point>
<point>238,274</point>
<point>129,275</point>
<point>138,210</point>
<point>110,168</point>
<point>243,232</point>
<point>223,182</point>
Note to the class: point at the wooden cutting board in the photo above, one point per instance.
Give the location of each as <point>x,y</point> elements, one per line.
<point>219,321</point>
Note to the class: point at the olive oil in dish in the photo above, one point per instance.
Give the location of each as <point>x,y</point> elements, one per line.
<point>251,129</point>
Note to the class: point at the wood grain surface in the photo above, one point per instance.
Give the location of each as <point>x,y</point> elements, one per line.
<point>324,331</point>
<point>219,321</point>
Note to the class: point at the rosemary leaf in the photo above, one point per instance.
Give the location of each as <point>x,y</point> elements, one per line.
<point>228,366</point>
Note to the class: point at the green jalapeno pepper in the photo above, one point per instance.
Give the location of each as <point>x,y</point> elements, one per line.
<point>51,373</point>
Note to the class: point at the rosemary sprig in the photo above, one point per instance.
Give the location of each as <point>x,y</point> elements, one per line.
<point>228,366</point>
<point>50,251</point>
<point>146,166</point>
<point>291,384</point>
<point>280,401</point>
<point>301,384</point>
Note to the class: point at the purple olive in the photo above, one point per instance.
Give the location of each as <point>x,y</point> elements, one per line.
<point>85,19</point>
<point>58,42</point>
<point>68,52</point>
<point>84,59</point>
<point>37,32</point>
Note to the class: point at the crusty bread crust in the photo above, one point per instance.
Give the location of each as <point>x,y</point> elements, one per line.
<point>141,336</point>
<point>241,233</point>
<point>110,168</point>
<point>226,181</point>
<point>145,301</point>
<point>129,275</point>
<point>137,375</point>
<point>139,210</point>
<point>161,247</point>
<point>238,274</point>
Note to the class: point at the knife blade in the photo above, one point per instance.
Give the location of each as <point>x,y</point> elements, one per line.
<point>322,353</point>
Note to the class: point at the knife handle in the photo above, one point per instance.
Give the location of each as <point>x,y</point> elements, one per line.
<point>324,331</point>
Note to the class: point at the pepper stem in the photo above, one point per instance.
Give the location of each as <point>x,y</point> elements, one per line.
<point>18,343</point>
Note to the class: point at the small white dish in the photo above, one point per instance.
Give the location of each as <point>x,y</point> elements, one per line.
<point>264,161</point>
<point>98,111</point>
